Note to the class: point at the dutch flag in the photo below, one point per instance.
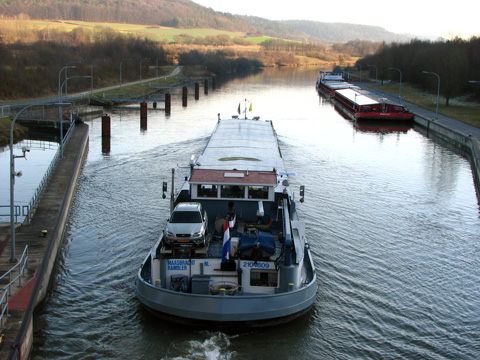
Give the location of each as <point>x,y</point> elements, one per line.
<point>226,243</point>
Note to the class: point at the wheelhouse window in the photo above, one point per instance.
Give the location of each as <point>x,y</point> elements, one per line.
<point>233,191</point>
<point>258,192</point>
<point>263,278</point>
<point>207,191</point>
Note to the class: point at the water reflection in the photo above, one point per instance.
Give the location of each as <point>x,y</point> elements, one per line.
<point>33,169</point>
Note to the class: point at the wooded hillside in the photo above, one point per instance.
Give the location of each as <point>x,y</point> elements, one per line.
<point>187,14</point>
<point>174,13</point>
<point>456,62</point>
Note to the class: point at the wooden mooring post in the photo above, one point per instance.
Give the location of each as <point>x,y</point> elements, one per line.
<point>205,87</point>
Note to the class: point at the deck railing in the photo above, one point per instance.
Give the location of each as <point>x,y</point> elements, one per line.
<point>6,291</point>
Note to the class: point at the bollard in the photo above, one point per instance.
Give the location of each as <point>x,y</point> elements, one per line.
<point>143,111</point>
<point>205,87</point>
<point>168,103</point>
<point>214,83</point>
<point>106,145</point>
<point>184,96</point>
<point>106,126</point>
<point>197,91</point>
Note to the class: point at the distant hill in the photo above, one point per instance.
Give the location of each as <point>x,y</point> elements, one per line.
<point>341,32</point>
<point>172,13</point>
<point>187,14</point>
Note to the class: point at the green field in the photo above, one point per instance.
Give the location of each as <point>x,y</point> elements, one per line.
<point>466,111</point>
<point>157,33</point>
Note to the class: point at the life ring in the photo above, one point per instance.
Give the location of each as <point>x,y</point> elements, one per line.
<point>230,289</point>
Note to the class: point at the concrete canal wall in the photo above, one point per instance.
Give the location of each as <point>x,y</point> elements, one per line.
<point>51,215</point>
<point>467,144</point>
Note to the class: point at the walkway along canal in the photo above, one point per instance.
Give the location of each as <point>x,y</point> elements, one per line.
<point>51,215</point>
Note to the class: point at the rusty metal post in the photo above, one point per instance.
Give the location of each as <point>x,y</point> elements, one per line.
<point>197,91</point>
<point>105,126</point>
<point>184,96</point>
<point>143,111</point>
<point>168,103</point>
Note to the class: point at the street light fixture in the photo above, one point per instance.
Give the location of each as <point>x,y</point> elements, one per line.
<point>400,89</point>
<point>60,107</point>
<point>438,89</point>
<point>60,104</point>
<point>121,61</point>
<point>376,76</point>
<point>66,74</point>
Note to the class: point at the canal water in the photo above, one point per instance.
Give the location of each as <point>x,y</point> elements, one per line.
<point>33,168</point>
<point>391,216</point>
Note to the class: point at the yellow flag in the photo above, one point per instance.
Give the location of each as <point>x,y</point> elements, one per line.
<point>250,109</point>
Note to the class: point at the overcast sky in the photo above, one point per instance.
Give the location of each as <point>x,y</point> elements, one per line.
<point>418,17</point>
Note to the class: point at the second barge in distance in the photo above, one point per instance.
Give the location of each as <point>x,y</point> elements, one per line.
<point>234,252</point>
<point>354,103</point>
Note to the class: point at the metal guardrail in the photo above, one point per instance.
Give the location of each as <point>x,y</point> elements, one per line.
<point>16,211</point>
<point>4,300</point>
<point>33,204</point>
<point>29,210</point>
<point>4,110</point>
<point>46,101</point>
<point>6,290</point>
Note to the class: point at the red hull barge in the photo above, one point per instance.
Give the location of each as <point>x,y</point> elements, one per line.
<point>330,81</point>
<point>358,106</point>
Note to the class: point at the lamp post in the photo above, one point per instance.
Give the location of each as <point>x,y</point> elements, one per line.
<point>60,107</point>
<point>400,90</point>
<point>91,80</point>
<point>13,174</point>
<point>121,61</point>
<point>66,73</point>
<point>156,68</point>
<point>376,76</point>
<point>438,90</point>
<point>141,62</point>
